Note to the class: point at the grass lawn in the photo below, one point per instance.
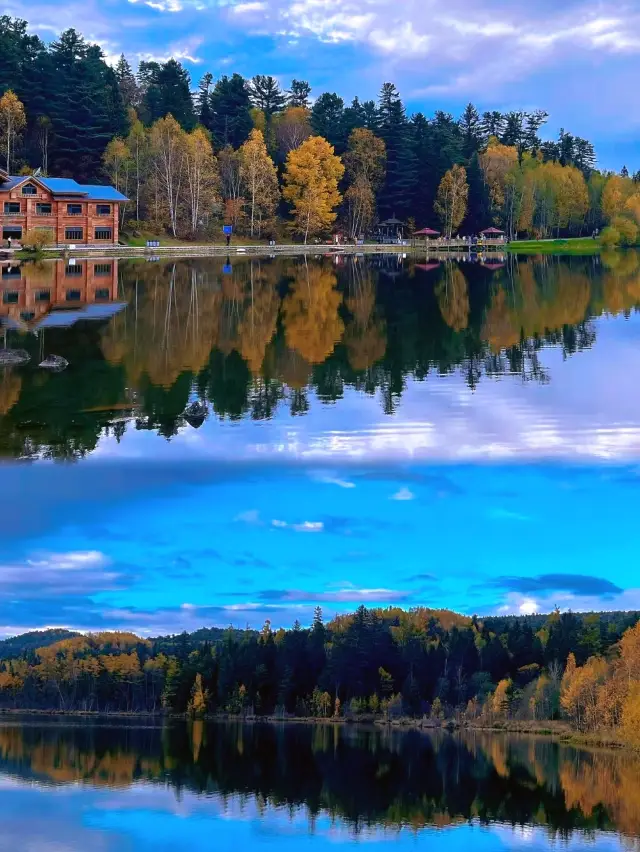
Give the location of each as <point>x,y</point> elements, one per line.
<point>577,245</point>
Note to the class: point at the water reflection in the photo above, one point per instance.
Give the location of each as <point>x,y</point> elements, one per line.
<point>359,779</point>
<point>268,337</point>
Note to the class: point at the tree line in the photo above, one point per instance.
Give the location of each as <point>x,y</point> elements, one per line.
<point>378,662</point>
<point>271,161</point>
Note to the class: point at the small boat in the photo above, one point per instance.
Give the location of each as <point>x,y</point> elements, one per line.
<point>55,363</point>
<point>14,357</point>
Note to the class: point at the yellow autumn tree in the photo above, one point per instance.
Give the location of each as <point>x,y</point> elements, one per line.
<point>451,200</point>
<point>259,180</point>
<point>291,128</point>
<point>197,705</point>
<point>202,177</point>
<point>496,163</point>
<point>616,191</point>
<point>12,122</point>
<point>311,313</point>
<point>311,177</point>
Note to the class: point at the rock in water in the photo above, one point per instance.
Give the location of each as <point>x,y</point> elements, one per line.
<point>55,362</point>
<point>195,414</point>
<point>13,357</point>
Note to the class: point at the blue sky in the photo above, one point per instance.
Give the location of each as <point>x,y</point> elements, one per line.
<point>578,60</point>
<point>515,498</point>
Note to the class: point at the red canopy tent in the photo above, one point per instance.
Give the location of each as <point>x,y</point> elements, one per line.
<point>491,232</point>
<point>426,232</point>
<point>427,267</point>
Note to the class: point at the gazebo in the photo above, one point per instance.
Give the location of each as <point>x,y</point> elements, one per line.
<point>492,233</point>
<point>391,230</point>
<point>427,233</point>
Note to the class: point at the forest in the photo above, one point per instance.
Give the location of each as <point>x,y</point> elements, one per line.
<point>291,164</point>
<point>386,663</point>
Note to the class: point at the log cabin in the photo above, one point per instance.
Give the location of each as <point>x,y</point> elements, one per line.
<point>73,213</point>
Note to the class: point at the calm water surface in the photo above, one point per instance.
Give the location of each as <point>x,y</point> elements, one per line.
<point>224,787</point>
<point>377,431</point>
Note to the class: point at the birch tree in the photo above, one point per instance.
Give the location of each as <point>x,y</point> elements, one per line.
<point>12,122</point>
<point>259,180</point>
<point>167,144</point>
<point>451,200</point>
<point>201,170</point>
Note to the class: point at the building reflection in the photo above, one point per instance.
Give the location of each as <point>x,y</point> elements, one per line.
<point>57,293</point>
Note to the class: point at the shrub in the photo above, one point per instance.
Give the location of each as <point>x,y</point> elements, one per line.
<point>36,239</point>
<point>627,229</point>
<point>610,237</point>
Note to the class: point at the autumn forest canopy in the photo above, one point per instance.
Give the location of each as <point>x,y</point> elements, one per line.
<point>291,163</point>
<point>375,662</point>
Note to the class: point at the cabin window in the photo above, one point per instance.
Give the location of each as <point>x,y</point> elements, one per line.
<point>73,295</point>
<point>12,207</point>
<point>11,272</point>
<point>74,209</point>
<point>73,269</point>
<point>29,189</point>
<point>102,269</point>
<point>43,209</point>
<point>10,297</point>
<point>43,296</point>
<point>73,234</point>
<point>103,209</point>
<point>103,234</point>
<point>102,294</point>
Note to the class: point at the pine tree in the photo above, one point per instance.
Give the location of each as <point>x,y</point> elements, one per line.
<point>472,131</point>
<point>492,124</point>
<point>266,95</point>
<point>168,92</point>
<point>230,104</point>
<point>203,102</point>
<point>327,119</point>
<point>127,83</point>
<point>298,94</point>
<point>396,193</point>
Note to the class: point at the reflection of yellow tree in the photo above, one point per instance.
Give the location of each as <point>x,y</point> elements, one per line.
<point>10,385</point>
<point>365,338</point>
<point>528,311</point>
<point>453,298</point>
<point>258,323</point>
<point>311,313</point>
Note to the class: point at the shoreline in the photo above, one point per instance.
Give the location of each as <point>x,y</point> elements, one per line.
<point>556,730</point>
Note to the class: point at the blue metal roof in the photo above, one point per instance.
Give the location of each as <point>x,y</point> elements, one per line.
<point>68,186</point>
<point>102,193</point>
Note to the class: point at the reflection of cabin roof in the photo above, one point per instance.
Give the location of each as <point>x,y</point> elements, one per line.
<point>64,186</point>
<point>66,318</point>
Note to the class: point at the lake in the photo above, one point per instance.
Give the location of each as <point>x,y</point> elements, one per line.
<point>86,785</point>
<point>248,439</point>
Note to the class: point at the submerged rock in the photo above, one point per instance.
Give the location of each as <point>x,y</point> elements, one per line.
<point>54,362</point>
<point>13,357</point>
<point>195,414</point>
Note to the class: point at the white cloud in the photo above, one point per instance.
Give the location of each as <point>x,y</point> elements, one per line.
<point>403,494</point>
<point>304,527</point>
<point>248,8</point>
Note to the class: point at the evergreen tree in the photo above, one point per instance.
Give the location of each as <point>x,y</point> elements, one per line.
<point>472,131</point>
<point>127,83</point>
<point>266,95</point>
<point>397,192</point>
<point>203,102</point>
<point>230,104</point>
<point>298,94</point>
<point>327,120</point>
<point>493,124</point>
<point>168,92</point>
